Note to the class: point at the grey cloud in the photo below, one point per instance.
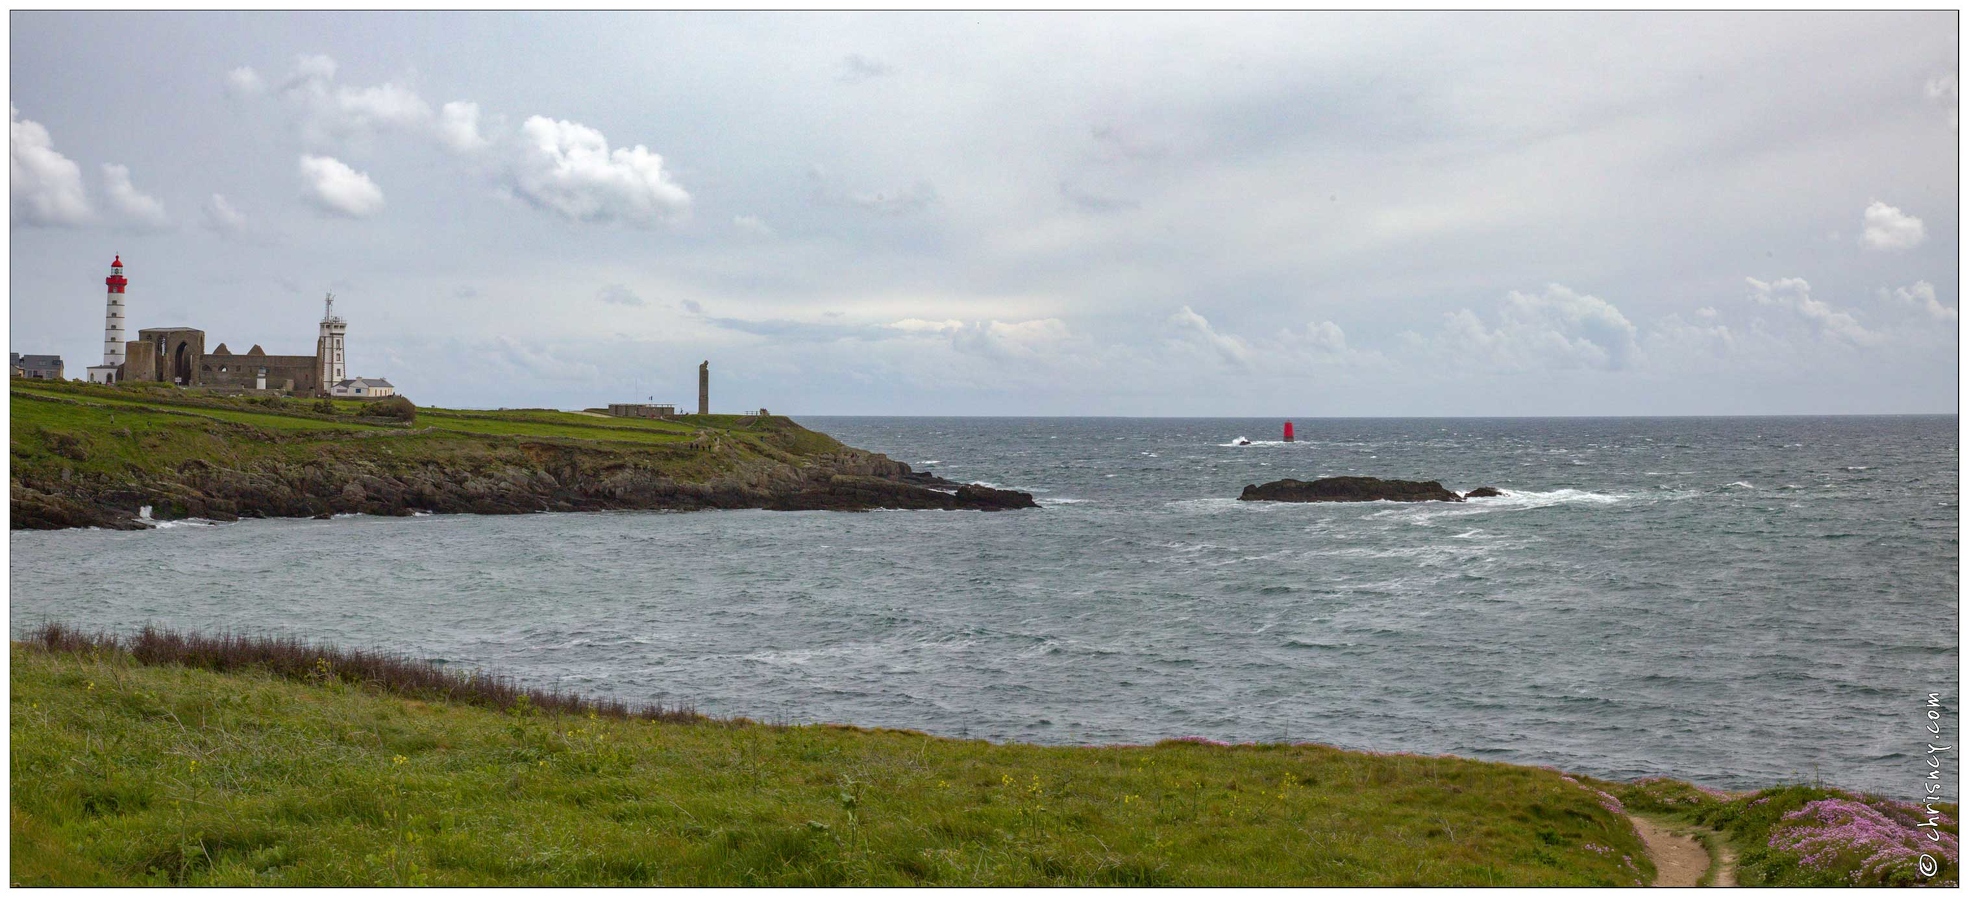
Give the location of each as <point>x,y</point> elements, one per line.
<point>617,294</point>
<point>1004,182</point>
<point>1556,330</point>
<point>1094,202</point>
<point>914,198</point>
<point>1114,143</point>
<point>856,68</point>
<point>891,201</point>
<point>802,331</point>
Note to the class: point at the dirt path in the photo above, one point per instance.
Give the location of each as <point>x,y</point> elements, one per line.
<point>1680,860</point>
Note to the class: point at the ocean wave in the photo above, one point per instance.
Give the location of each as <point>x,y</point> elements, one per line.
<point>183,522</point>
<point>1740,484</point>
<point>1537,499</point>
<point>1234,444</point>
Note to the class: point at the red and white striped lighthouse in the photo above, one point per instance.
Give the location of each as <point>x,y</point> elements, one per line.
<point>114,317</point>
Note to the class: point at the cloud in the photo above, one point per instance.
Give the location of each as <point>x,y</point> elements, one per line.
<point>917,197</point>
<point>244,83</point>
<point>1113,143</point>
<point>47,186</point>
<point>1675,340</point>
<point>223,218</point>
<point>692,306</point>
<point>1012,339</point>
<point>382,106</point>
<point>1321,340</point>
<point>458,127</point>
<point>568,169</point>
<point>1888,228</point>
<point>331,113</point>
<point>338,189</point>
<point>1794,295</point>
<point>856,68</point>
<point>1557,329</point>
<point>752,225</point>
<point>1289,352</point>
<point>135,208</point>
<point>1942,89</point>
<point>1921,296</point>
<point>540,364</point>
<point>616,294</point>
<point>1095,202</point>
<point>308,70</point>
<point>1195,330</point>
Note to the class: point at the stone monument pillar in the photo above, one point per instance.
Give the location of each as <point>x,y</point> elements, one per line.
<point>704,388</point>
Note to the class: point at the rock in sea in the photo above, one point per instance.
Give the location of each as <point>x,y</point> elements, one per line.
<point>1349,489</point>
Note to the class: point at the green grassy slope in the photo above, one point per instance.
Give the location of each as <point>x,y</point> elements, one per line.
<point>155,418</point>
<point>128,774</point>
<point>96,447</point>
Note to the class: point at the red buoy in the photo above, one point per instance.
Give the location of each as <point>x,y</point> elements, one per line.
<point>1288,431</point>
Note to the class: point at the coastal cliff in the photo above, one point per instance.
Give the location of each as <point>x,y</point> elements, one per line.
<point>86,456</point>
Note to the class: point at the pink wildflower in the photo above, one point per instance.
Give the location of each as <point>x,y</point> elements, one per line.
<point>1199,740</point>
<point>1830,830</point>
<point>1610,803</point>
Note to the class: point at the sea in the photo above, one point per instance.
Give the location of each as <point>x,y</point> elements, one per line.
<point>1739,602</point>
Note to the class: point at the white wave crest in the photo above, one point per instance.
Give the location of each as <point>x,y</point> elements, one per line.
<point>1536,499</point>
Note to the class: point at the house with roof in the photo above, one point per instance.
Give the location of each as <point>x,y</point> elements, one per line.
<point>362,388</point>
<point>36,367</point>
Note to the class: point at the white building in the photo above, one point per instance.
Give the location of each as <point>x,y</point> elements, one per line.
<point>362,388</point>
<point>114,318</point>
<point>334,370</point>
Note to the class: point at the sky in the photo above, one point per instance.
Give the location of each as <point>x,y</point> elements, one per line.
<point>1155,214</point>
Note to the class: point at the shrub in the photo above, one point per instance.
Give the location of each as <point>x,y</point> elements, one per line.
<point>398,407</point>
<point>298,659</point>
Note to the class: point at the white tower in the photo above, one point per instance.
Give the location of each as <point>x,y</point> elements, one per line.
<point>328,350</point>
<point>113,319</point>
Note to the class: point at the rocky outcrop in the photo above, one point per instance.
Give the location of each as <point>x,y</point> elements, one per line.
<point>984,497</point>
<point>528,477</point>
<point>1349,489</point>
<point>1483,492</point>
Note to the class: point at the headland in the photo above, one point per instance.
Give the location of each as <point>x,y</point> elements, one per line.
<point>88,455</point>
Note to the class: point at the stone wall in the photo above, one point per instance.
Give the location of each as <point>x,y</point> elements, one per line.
<point>298,374</point>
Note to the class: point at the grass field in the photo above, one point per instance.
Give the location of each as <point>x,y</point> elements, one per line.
<point>61,430</point>
<point>131,773</point>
